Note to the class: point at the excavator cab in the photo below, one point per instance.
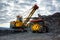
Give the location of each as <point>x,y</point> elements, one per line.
<point>19,18</point>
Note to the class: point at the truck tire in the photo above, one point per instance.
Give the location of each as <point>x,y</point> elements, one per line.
<point>45,29</point>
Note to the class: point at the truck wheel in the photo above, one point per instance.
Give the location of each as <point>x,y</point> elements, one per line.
<point>47,29</point>
<point>44,30</point>
<point>36,27</point>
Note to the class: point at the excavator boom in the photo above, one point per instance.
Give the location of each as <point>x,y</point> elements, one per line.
<point>31,13</point>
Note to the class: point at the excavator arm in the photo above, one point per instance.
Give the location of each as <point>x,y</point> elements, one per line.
<point>34,8</point>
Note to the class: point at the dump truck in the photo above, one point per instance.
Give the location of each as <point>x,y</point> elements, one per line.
<point>37,24</point>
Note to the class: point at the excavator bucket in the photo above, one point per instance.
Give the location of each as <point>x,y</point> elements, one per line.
<point>35,7</point>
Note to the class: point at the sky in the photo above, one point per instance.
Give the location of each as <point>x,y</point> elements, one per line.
<point>9,9</point>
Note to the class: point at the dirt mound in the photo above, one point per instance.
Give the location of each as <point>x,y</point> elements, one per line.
<point>53,22</point>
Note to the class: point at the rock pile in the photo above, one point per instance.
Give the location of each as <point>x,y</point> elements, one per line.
<point>53,22</point>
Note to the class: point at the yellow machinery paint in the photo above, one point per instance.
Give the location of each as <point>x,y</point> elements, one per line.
<point>36,27</point>
<point>18,23</point>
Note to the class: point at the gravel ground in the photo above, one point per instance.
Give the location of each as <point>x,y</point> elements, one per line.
<point>30,36</point>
